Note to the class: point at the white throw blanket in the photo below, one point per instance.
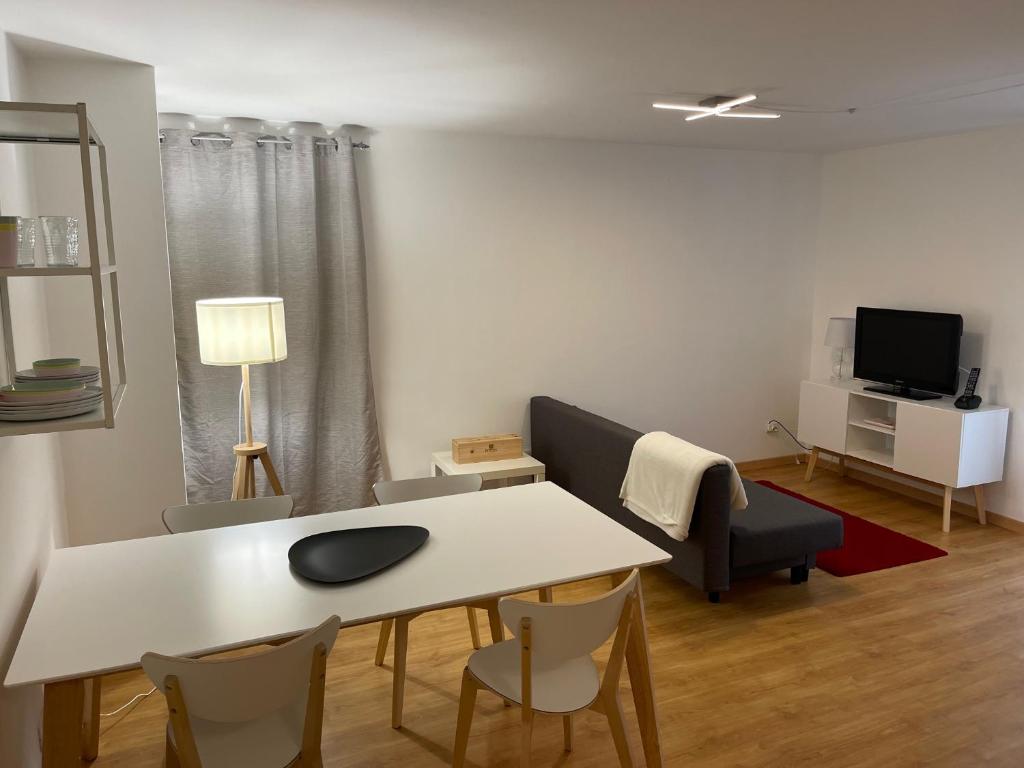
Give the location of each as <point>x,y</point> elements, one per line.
<point>662,481</point>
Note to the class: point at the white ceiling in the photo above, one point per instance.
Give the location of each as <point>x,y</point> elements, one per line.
<point>569,68</point>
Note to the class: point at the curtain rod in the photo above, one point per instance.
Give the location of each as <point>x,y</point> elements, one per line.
<point>267,139</point>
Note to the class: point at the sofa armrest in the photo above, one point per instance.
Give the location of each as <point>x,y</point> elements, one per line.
<point>713,506</point>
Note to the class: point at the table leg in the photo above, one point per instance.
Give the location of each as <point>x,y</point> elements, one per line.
<point>398,673</point>
<point>91,731</point>
<point>63,711</point>
<point>539,477</point>
<point>811,461</point>
<point>638,663</point>
<point>979,501</point>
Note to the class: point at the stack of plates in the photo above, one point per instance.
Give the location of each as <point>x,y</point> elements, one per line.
<point>89,374</point>
<point>59,405</point>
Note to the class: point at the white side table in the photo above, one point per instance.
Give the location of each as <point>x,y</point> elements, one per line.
<point>441,463</point>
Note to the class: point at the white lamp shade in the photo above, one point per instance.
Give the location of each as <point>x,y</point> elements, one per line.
<point>244,330</point>
<point>840,332</point>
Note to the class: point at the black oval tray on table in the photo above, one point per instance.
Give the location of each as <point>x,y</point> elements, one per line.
<point>334,557</point>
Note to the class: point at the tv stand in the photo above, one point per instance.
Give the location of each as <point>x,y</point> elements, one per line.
<point>906,392</point>
<point>929,440</point>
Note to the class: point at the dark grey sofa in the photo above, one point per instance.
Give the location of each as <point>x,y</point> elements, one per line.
<point>587,455</point>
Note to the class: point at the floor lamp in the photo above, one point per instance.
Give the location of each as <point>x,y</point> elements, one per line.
<point>244,331</point>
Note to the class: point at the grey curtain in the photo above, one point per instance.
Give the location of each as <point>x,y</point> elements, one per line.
<point>281,221</point>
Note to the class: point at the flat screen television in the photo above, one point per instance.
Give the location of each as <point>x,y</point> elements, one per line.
<point>916,354</point>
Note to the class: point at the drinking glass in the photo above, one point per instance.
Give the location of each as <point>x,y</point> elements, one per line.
<point>60,239</point>
<point>26,242</point>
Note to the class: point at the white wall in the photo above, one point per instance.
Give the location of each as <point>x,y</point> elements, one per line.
<point>31,493</point>
<point>934,225</point>
<point>661,287</point>
<point>117,482</point>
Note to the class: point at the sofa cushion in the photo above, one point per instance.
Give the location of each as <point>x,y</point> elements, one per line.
<point>777,527</point>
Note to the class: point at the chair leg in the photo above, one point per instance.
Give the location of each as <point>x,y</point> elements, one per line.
<point>382,641</point>
<point>546,594</point>
<point>567,732</point>
<point>170,756</point>
<point>467,703</point>
<point>474,629</point>
<point>398,679</point>
<point>526,738</point>
<point>613,711</point>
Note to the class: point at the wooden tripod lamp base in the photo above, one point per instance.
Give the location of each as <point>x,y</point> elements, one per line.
<point>246,456</point>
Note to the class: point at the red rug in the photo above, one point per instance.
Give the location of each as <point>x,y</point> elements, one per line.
<point>866,546</point>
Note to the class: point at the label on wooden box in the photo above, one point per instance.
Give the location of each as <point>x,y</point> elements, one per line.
<point>469,450</point>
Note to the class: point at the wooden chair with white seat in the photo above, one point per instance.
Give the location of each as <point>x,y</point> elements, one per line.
<point>417,489</point>
<point>547,667</point>
<point>221,514</point>
<point>264,710</point>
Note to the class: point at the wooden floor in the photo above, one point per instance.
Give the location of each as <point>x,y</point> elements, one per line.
<point>917,666</point>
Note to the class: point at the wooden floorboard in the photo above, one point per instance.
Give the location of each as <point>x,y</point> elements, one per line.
<point>916,666</point>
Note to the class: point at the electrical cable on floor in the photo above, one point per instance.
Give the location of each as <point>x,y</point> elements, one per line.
<point>123,707</point>
<point>792,437</point>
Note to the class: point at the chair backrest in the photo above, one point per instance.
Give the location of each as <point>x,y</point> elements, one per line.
<point>563,631</point>
<point>248,687</point>
<point>222,514</point>
<point>395,491</point>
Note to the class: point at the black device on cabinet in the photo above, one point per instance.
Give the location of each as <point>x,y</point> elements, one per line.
<point>968,401</point>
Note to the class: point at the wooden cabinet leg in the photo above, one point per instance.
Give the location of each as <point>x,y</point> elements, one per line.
<point>842,466</point>
<point>811,461</point>
<point>63,713</point>
<point>979,502</point>
<point>947,507</point>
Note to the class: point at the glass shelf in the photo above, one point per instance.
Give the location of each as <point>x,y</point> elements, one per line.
<point>41,124</point>
<point>96,419</point>
<point>105,269</point>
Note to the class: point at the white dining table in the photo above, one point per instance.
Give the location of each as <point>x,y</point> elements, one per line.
<point>100,607</point>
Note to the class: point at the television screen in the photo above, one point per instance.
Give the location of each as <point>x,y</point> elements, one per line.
<point>916,350</point>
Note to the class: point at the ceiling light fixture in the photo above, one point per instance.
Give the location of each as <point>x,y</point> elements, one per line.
<point>717,106</point>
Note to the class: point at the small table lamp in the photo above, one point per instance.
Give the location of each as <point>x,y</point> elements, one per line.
<point>244,331</point>
<point>839,336</point>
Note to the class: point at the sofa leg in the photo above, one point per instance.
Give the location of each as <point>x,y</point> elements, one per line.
<point>714,597</point>
<point>799,574</point>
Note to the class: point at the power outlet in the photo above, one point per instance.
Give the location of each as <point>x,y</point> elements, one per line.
<point>771,426</point>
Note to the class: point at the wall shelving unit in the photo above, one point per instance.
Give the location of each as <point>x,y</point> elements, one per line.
<point>61,125</point>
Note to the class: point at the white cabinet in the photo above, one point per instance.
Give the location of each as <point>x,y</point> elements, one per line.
<point>931,440</point>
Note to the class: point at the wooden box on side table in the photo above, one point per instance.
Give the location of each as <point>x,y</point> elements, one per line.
<point>469,450</point>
